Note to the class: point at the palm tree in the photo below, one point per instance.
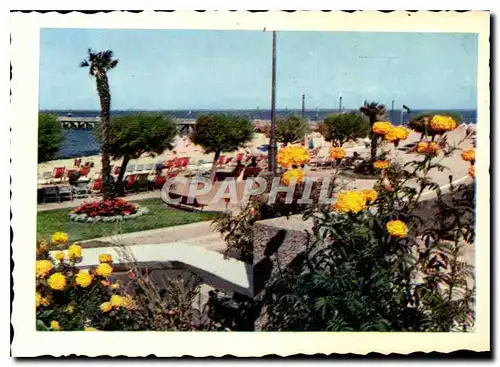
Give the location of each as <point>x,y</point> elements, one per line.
<point>374,111</point>
<point>99,63</point>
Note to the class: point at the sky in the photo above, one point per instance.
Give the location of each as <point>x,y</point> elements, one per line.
<point>200,69</point>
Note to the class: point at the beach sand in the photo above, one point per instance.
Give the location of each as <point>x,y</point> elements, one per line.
<point>258,146</point>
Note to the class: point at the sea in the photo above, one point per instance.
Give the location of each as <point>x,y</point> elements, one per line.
<point>80,143</point>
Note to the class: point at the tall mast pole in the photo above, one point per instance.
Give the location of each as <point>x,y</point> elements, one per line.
<point>272,140</point>
<point>303,105</point>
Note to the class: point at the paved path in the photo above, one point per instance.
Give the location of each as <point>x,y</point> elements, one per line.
<point>200,234</point>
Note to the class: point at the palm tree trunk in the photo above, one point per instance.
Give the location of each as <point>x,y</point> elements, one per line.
<point>214,166</point>
<point>105,99</point>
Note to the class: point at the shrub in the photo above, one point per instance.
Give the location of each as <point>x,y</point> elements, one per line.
<point>106,208</point>
<point>218,133</point>
<point>385,263</point>
<point>49,136</point>
<point>71,299</point>
<point>133,135</point>
<point>291,129</point>
<point>341,128</point>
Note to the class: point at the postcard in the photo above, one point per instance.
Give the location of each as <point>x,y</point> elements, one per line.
<point>236,183</point>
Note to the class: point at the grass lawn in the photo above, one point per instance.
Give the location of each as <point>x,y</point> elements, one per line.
<point>159,216</point>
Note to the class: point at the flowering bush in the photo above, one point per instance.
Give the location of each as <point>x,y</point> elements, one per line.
<point>384,259</point>
<point>106,208</point>
<point>69,298</point>
<point>111,210</point>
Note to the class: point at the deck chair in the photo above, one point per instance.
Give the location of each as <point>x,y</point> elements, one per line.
<point>130,168</point>
<point>51,194</point>
<point>85,171</point>
<point>65,192</point>
<point>96,186</point>
<point>141,181</point>
<point>46,175</point>
<point>139,168</point>
<point>80,189</point>
<point>58,172</point>
<point>149,167</point>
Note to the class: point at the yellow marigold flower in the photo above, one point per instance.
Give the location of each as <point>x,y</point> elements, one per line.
<point>105,258</point>
<point>43,268</point>
<point>59,238</point>
<point>472,171</point>
<point>70,309</point>
<point>104,270</point>
<point>106,307</point>
<point>337,153</point>
<point>350,202</point>
<point>45,301</point>
<point>381,164</point>
<point>296,175</point>
<point>38,299</point>
<point>54,325</point>
<point>74,252</point>
<point>441,123</point>
<point>116,300</point>
<point>57,281</point>
<point>128,302</point>
<point>397,134</point>
<point>433,148</point>
<point>90,329</point>
<point>58,255</point>
<point>422,147</point>
<point>370,194</point>
<point>293,155</point>
<point>83,278</point>
<point>469,155</point>
<point>397,228</point>
<point>382,127</point>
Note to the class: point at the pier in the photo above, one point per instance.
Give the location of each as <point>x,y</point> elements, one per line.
<point>87,123</point>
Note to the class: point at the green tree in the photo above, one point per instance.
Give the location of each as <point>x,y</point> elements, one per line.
<point>218,133</point>
<point>291,129</point>
<point>135,134</point>
<point>374,111</point>
<point>99,63</point>
<point>49,136</point>
<point>340,128</point>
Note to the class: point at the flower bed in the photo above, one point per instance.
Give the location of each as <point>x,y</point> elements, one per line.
<point>114,210</point>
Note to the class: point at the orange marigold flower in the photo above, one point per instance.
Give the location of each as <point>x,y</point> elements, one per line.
<point>106,307</point>
<point>337,153</point>
<point>382,127</point>
<point>57,281</point>
<point>293,175</point>
<point>440,123</point>
<point>105,258</point>
<point>350,202</point>
<point>469,155</point>
<point>43,268</point>
<point>397,228</point>
<point>370,194</point>
<point>104,270</point>
<point>472,171</point>
<point>381,164</point>
<point>293,155</point>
